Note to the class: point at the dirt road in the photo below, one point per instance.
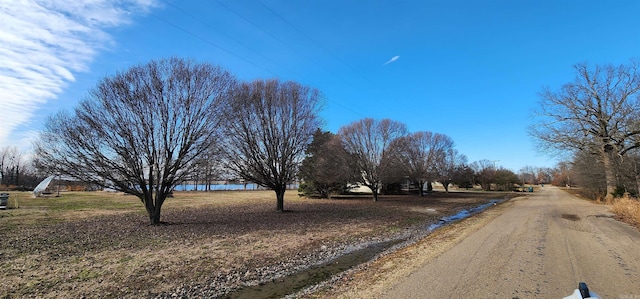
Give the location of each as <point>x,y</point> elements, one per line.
<point>539,247</point>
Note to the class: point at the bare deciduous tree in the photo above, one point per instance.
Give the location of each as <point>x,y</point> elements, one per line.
<point>485,171</point>
<point>11,166</point>
<point>448,168</point>
<point>598,112</point>
<point>544,175</point>
<point>562,174</point>
<point>588,172</point>
<point>209,168</point>
<point>420,154</point>
<point>630,173</point>
<point>270,125</point>
<point>368,141</point>
<point>527,175</point>
<point>140,130</point>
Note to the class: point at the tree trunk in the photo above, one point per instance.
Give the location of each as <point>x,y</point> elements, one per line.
<point>610,173</point>
<point>153,208</point>
<point>421,186</point>
<point>374,191</point>
<point>153,212</point>
<point>155,216</point>
<point>280,199</point>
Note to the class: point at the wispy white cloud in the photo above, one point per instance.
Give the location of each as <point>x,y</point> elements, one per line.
<point>44,42</point>
<point>394,58</point>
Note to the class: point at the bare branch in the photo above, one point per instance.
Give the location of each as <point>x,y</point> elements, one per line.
<point>598,112</point>
<point>270,124</point>
<point>368,140</point>
<point>139,131</point>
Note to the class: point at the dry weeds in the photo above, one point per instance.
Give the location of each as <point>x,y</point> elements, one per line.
<point>628,210</point>
<point>102,245</point>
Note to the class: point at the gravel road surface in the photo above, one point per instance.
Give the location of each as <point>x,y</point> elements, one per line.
<point>539,247</point>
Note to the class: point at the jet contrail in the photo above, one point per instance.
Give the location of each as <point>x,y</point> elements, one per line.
<point>394,58</point>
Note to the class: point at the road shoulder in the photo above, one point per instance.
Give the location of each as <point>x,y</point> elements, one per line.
<point>374,279</point>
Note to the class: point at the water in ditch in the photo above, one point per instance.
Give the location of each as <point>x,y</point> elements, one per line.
<point>316,274</point>
<point>313,275</point>
<point>461,215</point>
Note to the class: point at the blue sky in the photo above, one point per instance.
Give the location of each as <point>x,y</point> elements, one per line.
<point>469,69</point>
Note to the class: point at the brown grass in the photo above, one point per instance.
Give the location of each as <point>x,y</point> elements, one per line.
<point>628,210</point>
<point>98,244</point>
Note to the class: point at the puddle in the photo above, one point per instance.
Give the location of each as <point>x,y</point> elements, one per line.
<point>461,215</point>
<point>295,282</point>
<point>571,217</point>
<point>316,274</point>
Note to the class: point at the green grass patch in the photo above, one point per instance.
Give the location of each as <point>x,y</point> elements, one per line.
<point>87,274</point>
<point>74,201</point>
<point>29,210</point>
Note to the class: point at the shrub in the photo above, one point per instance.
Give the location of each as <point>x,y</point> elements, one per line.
<point>619,192</point>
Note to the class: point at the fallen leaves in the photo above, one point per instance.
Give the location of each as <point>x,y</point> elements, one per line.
<point>207,248</point>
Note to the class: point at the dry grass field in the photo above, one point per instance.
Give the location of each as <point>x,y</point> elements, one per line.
<point>100,245</point>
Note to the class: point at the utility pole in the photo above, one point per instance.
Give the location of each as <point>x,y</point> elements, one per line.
<point>58,185</point>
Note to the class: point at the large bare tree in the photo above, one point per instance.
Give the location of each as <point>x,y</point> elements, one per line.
<point>598,112</point>
<point>420,154</point>
<point>270,125</point>
<point>368,141</point>
<point>141,130</point>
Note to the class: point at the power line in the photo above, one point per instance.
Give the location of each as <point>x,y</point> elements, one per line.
<point>203,39</point>
<point>216,45</point>
<point>319,45</point>
<point>273,36</point>
<point>223,33</point>
<point>286,45</point>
